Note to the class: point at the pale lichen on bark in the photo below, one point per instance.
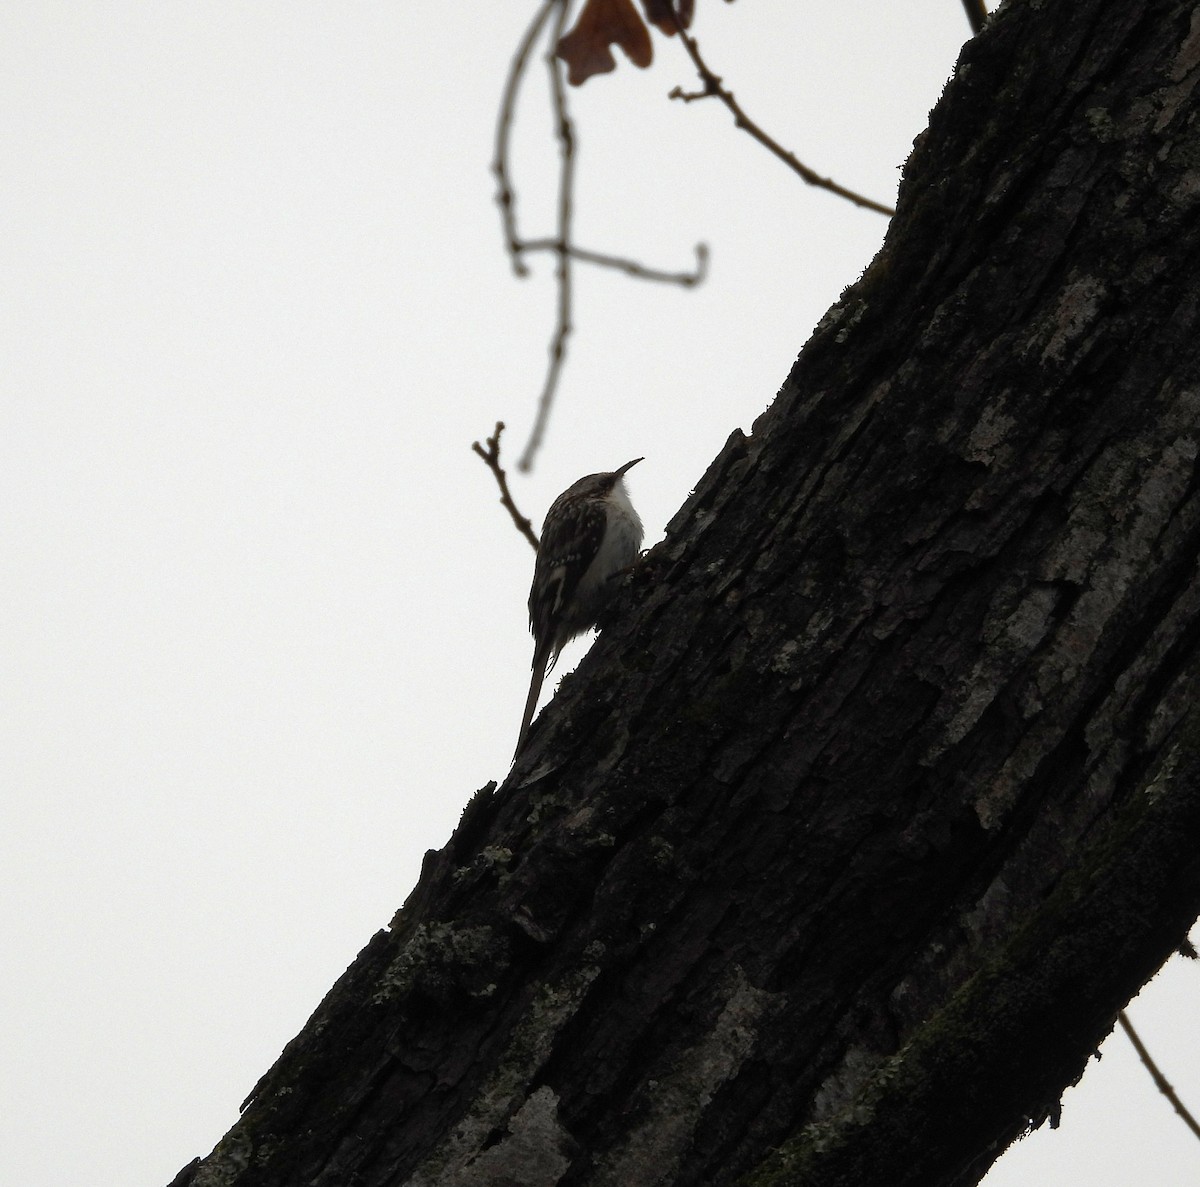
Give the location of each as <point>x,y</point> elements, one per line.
<point>507,1092</point>
<point>672,1105</point>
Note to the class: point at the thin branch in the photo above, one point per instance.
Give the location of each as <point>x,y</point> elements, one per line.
<point>491,458</point>
<point>1159,1079</point>
<point>629,267</point>
<point>505,197</point>
<point>566,191</point>
<point>562,247</point>
<point>976,13</point>
<point>713,87</point>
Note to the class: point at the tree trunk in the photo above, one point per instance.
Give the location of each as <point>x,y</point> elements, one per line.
<point>879,796</point>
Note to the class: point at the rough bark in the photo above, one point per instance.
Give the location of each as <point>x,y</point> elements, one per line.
<point>837,856</point>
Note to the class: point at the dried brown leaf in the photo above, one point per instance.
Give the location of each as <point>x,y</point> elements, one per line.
<point>601,24</point>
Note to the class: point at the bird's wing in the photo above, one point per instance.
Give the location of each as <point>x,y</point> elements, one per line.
<point>570,540</point>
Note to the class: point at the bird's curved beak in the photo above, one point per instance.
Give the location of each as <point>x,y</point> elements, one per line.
<point>628,465</point>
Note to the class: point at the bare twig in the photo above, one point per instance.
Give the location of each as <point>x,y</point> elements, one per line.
<point>629,267</point>
<point>562,247</point>
<point>566,192</point>
<point>1159,1079</point>
<point>491,458</point>
<point>976,13</point>
<point>505,197</point>
<point>713,87</point>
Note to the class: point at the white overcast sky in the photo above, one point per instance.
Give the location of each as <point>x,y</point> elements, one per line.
<point>264,621</point>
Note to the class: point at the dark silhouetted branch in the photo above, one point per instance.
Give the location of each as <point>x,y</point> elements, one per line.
<point>491,458</point>
<point>629,267</point>
<point>976,13</point>
<point>1160,1081</point>
<point>506,199</point>
<point>566,191</point>
<point>562,247</point>
<point>713,88</point>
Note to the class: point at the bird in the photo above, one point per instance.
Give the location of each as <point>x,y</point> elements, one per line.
<point>591,534</point>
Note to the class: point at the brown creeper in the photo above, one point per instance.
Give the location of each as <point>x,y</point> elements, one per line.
<point>590,535</point>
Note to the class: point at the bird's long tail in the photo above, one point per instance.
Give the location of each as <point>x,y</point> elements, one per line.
<point>541,657</point>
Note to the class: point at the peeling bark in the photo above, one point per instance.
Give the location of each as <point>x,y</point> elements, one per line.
<point>880,795</point>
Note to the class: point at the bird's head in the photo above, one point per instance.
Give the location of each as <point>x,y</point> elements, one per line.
<point>600,486</point>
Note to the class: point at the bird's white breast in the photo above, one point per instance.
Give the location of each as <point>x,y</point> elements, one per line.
<point>618,550</point>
